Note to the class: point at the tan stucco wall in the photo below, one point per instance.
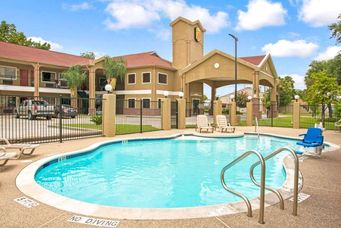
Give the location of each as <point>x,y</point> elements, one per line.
<point>185,49</point>
<point>206,70</point>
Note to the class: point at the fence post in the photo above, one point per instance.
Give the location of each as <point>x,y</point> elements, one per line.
<point>296,114</point>
<point>217,109</point>
<point>181,113</point>
<point>249,113</point>
<point>166,114</point>
<point>233,113</point>
<point>141,115</point>
<point>109,115</point>
<point>60,120</point>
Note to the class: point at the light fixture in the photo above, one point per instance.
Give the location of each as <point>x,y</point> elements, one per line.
<point>231,97</point>
<point>166,93</point>
<point>249,97</point>
<point>254,96</point>
<point>297,97</point>
<point>108,88</point>
<point>181,94</point>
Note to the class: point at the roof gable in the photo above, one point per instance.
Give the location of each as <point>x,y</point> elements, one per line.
<point>255,60</point>
<point>216,52</point>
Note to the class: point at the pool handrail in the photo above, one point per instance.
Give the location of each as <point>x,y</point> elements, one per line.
<point>262,185</point>
<point>296,175</point>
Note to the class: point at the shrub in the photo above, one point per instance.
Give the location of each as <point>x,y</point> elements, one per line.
<point>96,119</point>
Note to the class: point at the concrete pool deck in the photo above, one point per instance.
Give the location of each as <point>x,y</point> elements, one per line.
<point>322,182</point>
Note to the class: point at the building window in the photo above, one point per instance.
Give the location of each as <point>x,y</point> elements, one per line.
<point>146,78</point>
<point>132,78</point>
<point>159,102</point>
<point>8,73</point>
<point>131,103</point>
<point>102,83</point>
<point>162,78</point>
<point>146,103</point>
<point>48,76</point>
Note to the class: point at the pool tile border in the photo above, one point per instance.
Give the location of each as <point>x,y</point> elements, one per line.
<point>26,183</point>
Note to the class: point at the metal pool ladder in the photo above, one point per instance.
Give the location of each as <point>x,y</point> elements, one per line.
<point>296,175</point>
<point>262,186</point>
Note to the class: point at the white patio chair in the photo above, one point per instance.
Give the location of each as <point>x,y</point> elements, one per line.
<point>202,124</point>
<point>20,147</point>
<point>223,125</point>
<point>5,156</point>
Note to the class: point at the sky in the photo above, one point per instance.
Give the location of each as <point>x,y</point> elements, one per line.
<point>294,32</point>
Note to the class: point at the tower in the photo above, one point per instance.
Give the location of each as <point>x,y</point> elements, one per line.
<point>187,41</point>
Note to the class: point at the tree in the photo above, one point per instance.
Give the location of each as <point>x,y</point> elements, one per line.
<point>114,69</point>
<point>335,29</point>
<point>9,33</point>
<point>321,91</point>
<point>286,90</point>
<point>315,67</point>
<point>74,77</point>
<point>334,68</point>
<point>241,99</point>
<point>89,55</point>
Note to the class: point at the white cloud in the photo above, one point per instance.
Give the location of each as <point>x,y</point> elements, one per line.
<point>54,46</point>
<point>77,7</point>
<point>286,48</point>
<point>299,81</point>
<point>329,53</point>
<point>261,13</point>
<point>143,14</point>
<point>320,12</point>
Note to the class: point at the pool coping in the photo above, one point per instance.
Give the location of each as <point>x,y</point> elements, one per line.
<point>26,183</point>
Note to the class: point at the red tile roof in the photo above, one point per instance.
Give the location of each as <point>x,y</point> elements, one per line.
<point>30,54</point>
<point>146,59</point>
<point>255,60</point>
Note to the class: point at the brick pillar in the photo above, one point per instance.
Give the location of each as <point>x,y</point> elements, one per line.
<point>36,80</point>
<point>181,113</point>
<point>249,113</point>
<point>92,92</point>
<point>166,114</point>
<point>109,115</point>
<point>217,109</point>
<point>296,115</point>
<point>233,113</point>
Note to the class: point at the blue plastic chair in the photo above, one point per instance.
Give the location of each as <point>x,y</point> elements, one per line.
<point>313,138</point>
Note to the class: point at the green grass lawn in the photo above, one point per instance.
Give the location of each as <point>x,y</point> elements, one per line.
<point>305,122</point>
<point>121,129</point>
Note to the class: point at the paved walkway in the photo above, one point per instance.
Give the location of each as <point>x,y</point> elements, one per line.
<point>322,182</point>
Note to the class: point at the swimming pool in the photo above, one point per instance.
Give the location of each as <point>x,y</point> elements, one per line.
<point>179,172</point>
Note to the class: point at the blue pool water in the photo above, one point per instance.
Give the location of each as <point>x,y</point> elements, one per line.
<point>164,173</point>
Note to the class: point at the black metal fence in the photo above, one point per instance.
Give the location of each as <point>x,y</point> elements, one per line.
<point>137,115</point>
<point>197,107</point>
<point>47,118</point>
<point>322,115</point>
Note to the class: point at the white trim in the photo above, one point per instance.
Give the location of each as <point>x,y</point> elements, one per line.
<point>128,79</point>
<point>31,89</point>
<point>172,93</point>
<point>45,71</point>
<point>150,77</point>
<point>16,73</point>
<point>157,80</point>
<point>131,98</point>
<point>133,92</point>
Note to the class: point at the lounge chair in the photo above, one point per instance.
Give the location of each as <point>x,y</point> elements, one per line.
<point>202,124</point>
<point>313,139</point>
<point>5,156</point>
<point>21,147</point>
<point>223,125</point>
